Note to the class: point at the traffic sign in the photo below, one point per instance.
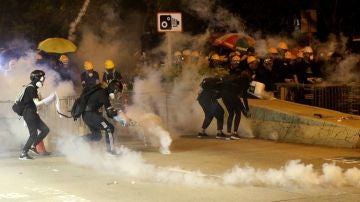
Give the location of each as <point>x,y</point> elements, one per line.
<point>169,22</point>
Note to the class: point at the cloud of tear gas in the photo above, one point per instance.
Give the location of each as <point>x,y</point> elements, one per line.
<point>73,25</point>
<point>112,38</point>
<point>126,164</point>
<point>12,83</point>
<point>215,15</point>
<point>346,71</point>
<point>294,174</point>
<point>149,104</point>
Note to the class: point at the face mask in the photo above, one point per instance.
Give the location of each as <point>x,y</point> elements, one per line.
<point>90,74</point>
<point>112,96</point>
<point>39,84</point>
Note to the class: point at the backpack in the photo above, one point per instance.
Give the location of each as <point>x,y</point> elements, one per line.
<point>80,103</point>
<point>211,83</point>
<point>18,107</point>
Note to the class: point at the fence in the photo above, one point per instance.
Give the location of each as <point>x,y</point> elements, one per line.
<point>343,98</point>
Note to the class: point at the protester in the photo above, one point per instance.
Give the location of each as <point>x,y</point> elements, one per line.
<point>38,130</point>
<point>89,77</point>
<point>209,93</point>
<point>110,73</point>
<point>93,117</point>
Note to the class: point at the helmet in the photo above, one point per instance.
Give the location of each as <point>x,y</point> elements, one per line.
<point>109,64</point>
<point>115,86</point>
<point>215,57</point>
<point>283,45</point>
<point>88,65</point>
<point>289,55</point>
<point>234,53</point>
<point>177,53</point>
<point>37,75</point>
<point>195,53</point>
<point>273,50</point>
<point>186,52</point>
<point>64,59</point>
<point>251,59</point>
<point>308,49</point>
<point>235,58</point>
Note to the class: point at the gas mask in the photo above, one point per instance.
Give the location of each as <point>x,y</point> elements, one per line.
<point>40,83</point>
<point>112,96</point>
<point>90,74</point>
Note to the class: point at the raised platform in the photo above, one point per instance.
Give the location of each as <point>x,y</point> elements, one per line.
<point>296,123</point>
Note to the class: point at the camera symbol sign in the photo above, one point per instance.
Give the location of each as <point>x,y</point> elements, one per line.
<point>169,22</point>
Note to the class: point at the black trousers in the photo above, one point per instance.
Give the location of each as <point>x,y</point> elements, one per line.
<point>234,107</point>
<point>34,124</point>
<point>96,122</point>
<point>211,108</point>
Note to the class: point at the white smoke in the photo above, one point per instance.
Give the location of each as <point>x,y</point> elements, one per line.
<point>346,71</point>
<point>73,25</point>
<point>149,99</point>
<point>131,164</point>
<point>215,15</point>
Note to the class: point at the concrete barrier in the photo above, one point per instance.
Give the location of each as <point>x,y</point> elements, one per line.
<point>295,123</point>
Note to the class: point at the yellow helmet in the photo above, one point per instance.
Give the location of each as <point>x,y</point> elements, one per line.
<point>195,53</point>
<point>289,55</point>
<point>88,65</point>
<point>64,59</point>
<point>215,57</point>
<point>177,53</point>
<point>235,58</point>
<point>283,45</point>
<point>109,64</point>
<point>186,52</point>
<point>251,59</point>
<point>273,50</point>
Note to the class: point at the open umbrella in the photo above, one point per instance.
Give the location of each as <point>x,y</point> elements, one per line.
<point>235,41</point>
<point>243,43</point>
<point>57,45</point>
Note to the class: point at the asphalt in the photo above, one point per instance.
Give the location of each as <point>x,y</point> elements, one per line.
<point>194,161</point>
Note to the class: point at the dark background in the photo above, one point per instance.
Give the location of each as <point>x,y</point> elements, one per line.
<point>35,20</point>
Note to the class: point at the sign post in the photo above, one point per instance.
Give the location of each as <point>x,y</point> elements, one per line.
<point>169,22</point>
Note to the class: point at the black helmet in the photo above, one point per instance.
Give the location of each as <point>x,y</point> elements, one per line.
<point>115,86</point>
<point>36,75</point>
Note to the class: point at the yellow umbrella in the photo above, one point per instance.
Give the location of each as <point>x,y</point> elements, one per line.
<point>57,45</point>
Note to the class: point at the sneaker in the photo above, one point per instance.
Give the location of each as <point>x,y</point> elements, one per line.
<point>235,136</point>
<point>202,135</point>
<point>25,156</point>
<point>34,150</point>
<point>45,153</point>
<point>222,136</point>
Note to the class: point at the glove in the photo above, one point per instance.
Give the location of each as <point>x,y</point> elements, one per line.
<point>122,118</point>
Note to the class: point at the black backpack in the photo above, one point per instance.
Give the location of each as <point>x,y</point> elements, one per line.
<point>80,103</point>
<point>18,107</point>
<point>211,83</point>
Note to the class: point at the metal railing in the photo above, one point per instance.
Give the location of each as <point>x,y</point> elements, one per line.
<point>343,98</point>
